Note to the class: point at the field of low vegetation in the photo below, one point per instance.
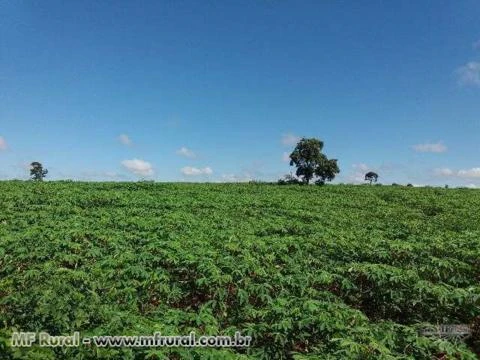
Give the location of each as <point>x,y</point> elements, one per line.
<point>310,272</point>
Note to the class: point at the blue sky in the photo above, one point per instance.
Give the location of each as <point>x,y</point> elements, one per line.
<point>220,90</point>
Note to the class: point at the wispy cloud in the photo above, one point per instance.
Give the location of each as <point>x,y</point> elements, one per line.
<point>443,172</point>
<point>473,173</point>
<point>3,143</point>
<point>236,177</point>
<point>125,140</point>
<point>193,171</point>
<point>97,175</point>
<point>469,173</point>
<point>290,139</point>
<point>358,174</point>
<point>361,167</point>
<point>469,74</point>
<point>138,167</point>
<point>183,151</point>
<point>286,157</point>
<point>25,166</point>
<point>430,147</point>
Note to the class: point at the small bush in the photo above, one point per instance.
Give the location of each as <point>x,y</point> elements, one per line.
<point>289,180</point>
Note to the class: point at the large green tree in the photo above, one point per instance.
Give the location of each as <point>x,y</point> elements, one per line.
<point>37,172</point>
<point>311,162</point>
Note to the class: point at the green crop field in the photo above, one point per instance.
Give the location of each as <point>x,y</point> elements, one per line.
<point>309,272</point>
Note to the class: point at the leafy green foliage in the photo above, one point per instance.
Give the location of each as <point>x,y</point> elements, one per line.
<point>371,177</point>
<point>289,180</point>
<point>310,161</point>
<point>37,172</point>
<point>337,272</point>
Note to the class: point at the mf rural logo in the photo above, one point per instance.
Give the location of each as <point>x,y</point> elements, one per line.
<point>459,332</point>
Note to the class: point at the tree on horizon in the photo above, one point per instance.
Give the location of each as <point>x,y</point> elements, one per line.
<point>311,162</point>
<point>371,176</point>
<point>37,172</point>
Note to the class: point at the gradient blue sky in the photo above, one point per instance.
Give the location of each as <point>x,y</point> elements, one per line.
<point>392,86</point>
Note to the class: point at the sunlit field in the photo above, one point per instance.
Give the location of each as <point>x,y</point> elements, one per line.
<point>309,272</point>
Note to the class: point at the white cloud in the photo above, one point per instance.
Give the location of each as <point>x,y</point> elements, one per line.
<point>193,171</point>
<point>358,175</point>
<point>358,171</point>
<point>469,74</point>
<point>3,143</point>
<point>430,147</point>
<point>236,177</point>
<point>138,167</point>
<point>356,178</point>
<point>290,139</point>
<point>183,151</point>
<point>472,173</point>
<point>443,172</point>
<point>25,166</point>
<point>469,173</point>
<point>286,157</point>
<point>125,140</point>
<point>472,186</point>
<point>95,175</point>
<point>361,167</point>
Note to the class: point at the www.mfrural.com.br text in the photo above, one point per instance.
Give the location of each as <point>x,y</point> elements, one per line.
<point>44,339</point>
